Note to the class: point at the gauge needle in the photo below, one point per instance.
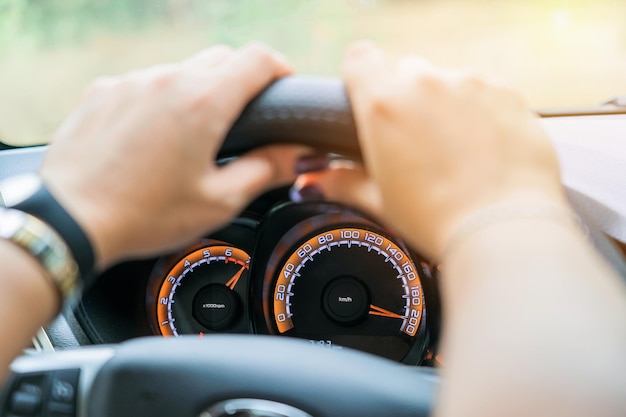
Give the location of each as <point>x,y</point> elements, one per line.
<point>233,281</point>
<point>377,311</point>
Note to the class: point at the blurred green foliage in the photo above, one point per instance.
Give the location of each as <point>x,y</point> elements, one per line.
<point>54,22</point>
<point>51,23</point>
<point>51,49</point>
<point>292,26</point>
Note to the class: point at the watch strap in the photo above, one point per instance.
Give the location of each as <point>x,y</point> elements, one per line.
<point>44,206</point>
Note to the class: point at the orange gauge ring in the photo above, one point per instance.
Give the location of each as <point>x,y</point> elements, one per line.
<point>208,255</point>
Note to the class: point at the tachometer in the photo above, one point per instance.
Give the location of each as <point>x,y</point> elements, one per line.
<point>200,292</point>
<point>348,286</point>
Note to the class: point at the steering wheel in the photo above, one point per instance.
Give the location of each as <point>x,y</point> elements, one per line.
<point>222,375</point>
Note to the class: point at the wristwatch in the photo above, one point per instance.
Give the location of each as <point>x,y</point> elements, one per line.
<point>42,242</point>
<point>34,220</point>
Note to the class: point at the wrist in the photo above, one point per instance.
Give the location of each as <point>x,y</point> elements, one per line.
<point>519,205</point>
<point>95,227</point>
<point>90,207</point>
<point>45,246</point>
<point>37,222</point>
<point>553,211</point>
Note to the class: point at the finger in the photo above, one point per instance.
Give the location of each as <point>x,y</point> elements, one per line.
<point>363,64</point>
<point>248,72</point>
<point>242,180</point>
<point>230,86</point>
<point>216,97</point>
<point>100,84</point>
<point>344,182</point>
<point>197,64</point>
<point>411,65</point>
<point>364,70</point>
<point>367,76</point>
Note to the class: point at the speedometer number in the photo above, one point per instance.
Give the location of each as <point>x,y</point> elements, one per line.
<point>350,234</point>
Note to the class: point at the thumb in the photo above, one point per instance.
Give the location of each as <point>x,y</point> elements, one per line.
<point>343,182</point>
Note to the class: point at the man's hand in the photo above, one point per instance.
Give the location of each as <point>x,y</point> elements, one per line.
<point>437,146</point>
<point>135,163</point>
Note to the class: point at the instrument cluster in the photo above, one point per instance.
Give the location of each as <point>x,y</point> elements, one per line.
<point>317,272</point>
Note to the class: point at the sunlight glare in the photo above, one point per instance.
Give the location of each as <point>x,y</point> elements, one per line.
<point>560,19</point>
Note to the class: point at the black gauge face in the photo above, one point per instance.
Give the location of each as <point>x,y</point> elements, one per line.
<point>348,287</point>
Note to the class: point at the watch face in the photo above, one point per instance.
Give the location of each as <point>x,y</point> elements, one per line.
<point>17,189</point>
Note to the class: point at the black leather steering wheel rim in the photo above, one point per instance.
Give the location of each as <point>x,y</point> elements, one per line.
<point>311,111</point>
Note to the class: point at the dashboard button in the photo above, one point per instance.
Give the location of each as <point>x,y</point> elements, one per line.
<point>64,385</point>
<point>25,404</point>
<point>27,395</point>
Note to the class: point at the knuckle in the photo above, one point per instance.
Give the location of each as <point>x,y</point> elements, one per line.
<point>158,76</point>
<point>360,49</point>
<point>429,81</point>
<point>510,94</point>
<point>100,85</point>
<point>382,101</point>
<point>196,100</point>
<point>212,52</point>
<point>468,81</point>
<point>258,52</point>
<point>125,83</point>
<point>475,81</point>
<point>220,49</point>
<point>165,76</point>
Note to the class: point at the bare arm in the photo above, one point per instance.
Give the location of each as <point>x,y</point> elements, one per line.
<point>28,302</point>
<point>534,320</point>
<point>142,147</point>
<point>535,325</point>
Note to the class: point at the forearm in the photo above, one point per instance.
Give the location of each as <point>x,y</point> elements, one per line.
<point>29,301</point>
<point>534,319</point>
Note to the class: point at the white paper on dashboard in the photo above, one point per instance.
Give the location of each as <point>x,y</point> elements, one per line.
<point>592,155</point>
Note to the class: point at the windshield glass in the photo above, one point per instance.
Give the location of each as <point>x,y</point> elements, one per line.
<point>559,53</point>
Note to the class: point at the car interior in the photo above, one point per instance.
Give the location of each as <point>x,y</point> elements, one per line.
<point>292,309</point>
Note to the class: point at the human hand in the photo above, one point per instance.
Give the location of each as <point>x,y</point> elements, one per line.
<point>135,162</point>
<point>437,145</point>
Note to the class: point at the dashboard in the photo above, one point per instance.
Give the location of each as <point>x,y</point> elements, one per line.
<point>315,271</point>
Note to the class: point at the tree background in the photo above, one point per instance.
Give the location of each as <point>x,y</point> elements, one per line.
<point>559,53</point>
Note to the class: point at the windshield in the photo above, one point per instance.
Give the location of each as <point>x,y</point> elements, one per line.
<point>559,53</point>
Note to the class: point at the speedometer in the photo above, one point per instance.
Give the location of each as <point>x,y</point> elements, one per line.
<point>349,286</point>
